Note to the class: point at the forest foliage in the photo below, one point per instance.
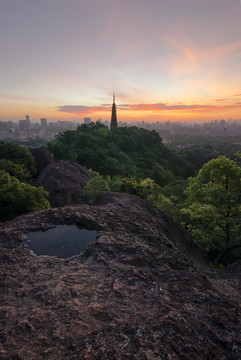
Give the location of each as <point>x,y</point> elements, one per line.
<point>213,211</point>
<point>17,195</point>
<point>195,186</point>
<point>127,151</point>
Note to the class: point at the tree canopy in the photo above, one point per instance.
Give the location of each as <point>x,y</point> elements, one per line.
<point>17,169</point>
<point>17,161</point>
<point>18,198</point>
<point>127,151</point>
<point>213,214</point>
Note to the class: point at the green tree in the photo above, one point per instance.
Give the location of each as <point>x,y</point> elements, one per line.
<point>17,170</point>
<point>58,149</point>
<point>127,151</point>
<point>161,202</point>
<point>198,155</point>
<point>17,198</point>
<point>213,214</point>
<point>95,187</point>
<point>131,185</point>
<point>18,155</point>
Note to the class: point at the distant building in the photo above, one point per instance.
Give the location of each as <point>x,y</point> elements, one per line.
<point>87,120</point>
<point>44,123</point>
<point>113,123</point>
<point>27,119</point>
<point>24,125</point>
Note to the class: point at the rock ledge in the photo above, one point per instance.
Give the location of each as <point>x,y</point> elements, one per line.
<point>143,291</point>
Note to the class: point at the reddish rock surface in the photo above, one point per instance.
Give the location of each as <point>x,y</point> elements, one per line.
<point>65,181</point>
<point>142,291</point>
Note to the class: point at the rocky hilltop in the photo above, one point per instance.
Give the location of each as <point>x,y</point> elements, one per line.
<point>142,291</point>
<point>65,181</point>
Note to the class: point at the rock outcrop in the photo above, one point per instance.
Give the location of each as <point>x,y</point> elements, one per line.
<point>65,181</point>
<point>42,158</point>
<point>142,291</point>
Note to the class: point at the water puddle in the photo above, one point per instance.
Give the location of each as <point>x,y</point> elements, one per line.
<point>62,241</point>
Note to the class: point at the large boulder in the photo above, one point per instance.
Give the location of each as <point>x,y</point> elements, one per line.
<point>65,181</point>
<point>142,291</point>
<point>42,158</point>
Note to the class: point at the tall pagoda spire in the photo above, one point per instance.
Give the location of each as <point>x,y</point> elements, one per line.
<point>113,124</point>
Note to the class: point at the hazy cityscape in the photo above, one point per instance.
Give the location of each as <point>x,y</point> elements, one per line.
<point>26,130</point>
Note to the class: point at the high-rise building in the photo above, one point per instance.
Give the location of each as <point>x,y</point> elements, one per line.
<point>24,125</point>
<point>27,119</point>
<point>44,123</point>
<point>87,120</point>
<point>113,123</point>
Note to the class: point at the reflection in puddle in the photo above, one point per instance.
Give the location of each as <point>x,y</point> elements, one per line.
<point>62,241</point>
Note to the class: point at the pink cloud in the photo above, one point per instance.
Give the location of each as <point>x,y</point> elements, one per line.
<point>193,58</point>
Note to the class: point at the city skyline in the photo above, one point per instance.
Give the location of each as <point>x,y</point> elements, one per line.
<point>175,60</point>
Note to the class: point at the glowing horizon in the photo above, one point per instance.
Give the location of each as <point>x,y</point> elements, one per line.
<point>165,60</point>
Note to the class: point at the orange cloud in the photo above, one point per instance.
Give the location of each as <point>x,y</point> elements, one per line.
<point>193,59</point>
<point>224,50</point>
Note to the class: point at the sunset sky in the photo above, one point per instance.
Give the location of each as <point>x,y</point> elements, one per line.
<point>177,60</point>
